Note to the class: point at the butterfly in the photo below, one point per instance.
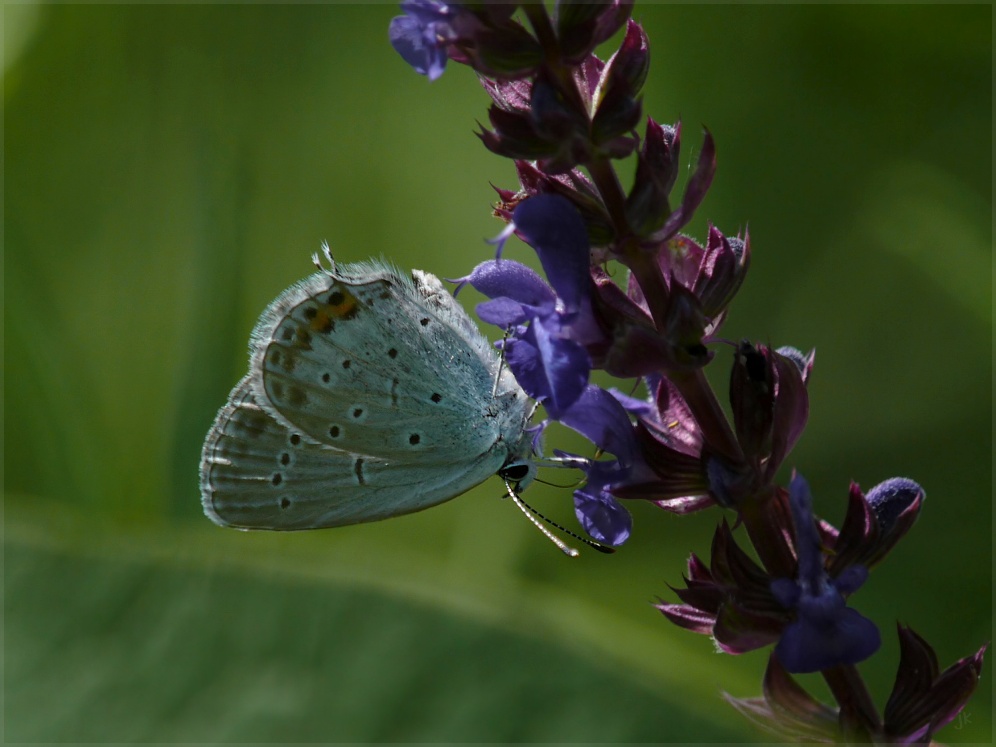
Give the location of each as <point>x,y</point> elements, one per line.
<point>370,394</point>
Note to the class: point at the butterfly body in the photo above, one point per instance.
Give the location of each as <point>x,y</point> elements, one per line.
<point>370,394</point>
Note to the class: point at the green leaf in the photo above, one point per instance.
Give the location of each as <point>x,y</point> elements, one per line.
<point>128,633</point>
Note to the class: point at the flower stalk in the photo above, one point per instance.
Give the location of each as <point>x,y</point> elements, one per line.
<point>626,292</point>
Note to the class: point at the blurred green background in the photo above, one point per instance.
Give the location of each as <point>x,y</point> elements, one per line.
<point>169,170</point>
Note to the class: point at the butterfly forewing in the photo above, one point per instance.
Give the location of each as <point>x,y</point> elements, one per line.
<point>366,367</point>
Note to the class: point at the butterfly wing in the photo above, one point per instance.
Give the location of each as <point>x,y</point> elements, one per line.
<point>258,474</point>
<point>369,395</point>
<point>366,363</point>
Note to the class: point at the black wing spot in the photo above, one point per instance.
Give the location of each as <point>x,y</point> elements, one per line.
<point>424,321</point>
<point>285,459</point>
<point>336,298</point>
<point>326,378</point>
<point>284,502</point>
<point>358,470</point>
<point>347,363</point>
<point>414,439</point>
<point>295,439</point>
<point>392,353</point>
<point>277,479</point>
<point>334,431</point>
<point>358,412</point>
<point>310,313</point>
<point>287,334</point>
<point>436,397</point>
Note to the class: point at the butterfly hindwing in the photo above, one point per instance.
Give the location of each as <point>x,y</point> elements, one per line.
<point>258,474</point>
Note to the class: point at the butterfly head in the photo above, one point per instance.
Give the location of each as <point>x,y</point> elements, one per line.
<point>518,472</point>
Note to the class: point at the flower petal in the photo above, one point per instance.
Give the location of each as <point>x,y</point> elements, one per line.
<point>413,38</point>
<point>599,417</point>
<point>552,226</point>
<point>507,278</point>
<point>603,517</point>
<point>549,368</point>
<point>811,646</point>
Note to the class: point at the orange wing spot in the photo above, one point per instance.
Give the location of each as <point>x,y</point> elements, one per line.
<point>321,322</point>
<point>341,304</point>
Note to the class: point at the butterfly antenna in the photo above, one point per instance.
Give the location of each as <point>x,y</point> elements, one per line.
<point>528,511</point>
<point>576,484</point>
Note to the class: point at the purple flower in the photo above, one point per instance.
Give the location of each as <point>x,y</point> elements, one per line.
<point>672,307</point>
<point>874,523</point>
<point>422,35</point>
<point>923,700</point>
<point>826,632</point>
<point>678,477</point>
<point>562,121</point>
<point>602,516</point>
<point>551,368</point>
<point>624,292</point>
<point>770,404</point>
<point>601,418</point>
<point>550,327</point>
<point>729,599</point>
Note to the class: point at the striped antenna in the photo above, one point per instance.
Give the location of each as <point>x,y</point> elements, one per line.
<point>529,512</point>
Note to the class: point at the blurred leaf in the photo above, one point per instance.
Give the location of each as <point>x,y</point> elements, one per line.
<point>151,634</point>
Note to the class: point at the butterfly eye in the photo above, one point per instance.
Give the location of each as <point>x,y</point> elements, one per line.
<point>514,472</point>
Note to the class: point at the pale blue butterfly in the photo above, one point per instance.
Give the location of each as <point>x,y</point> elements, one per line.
<point>370,394</point>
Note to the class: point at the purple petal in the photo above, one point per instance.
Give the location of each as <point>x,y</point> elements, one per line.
<point>549,368</point>
<point>851,579</point>
<point>786,591</point>
<point>889,499</point>
<point>807,539</point>
<point>552,226</point>
<point>599,417</point>
<point>409,39</point>
<point>640,408</point>
<point>499,278</point>
<point>814,645</point>
<point>504,312</point>
<point>603,517</point>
